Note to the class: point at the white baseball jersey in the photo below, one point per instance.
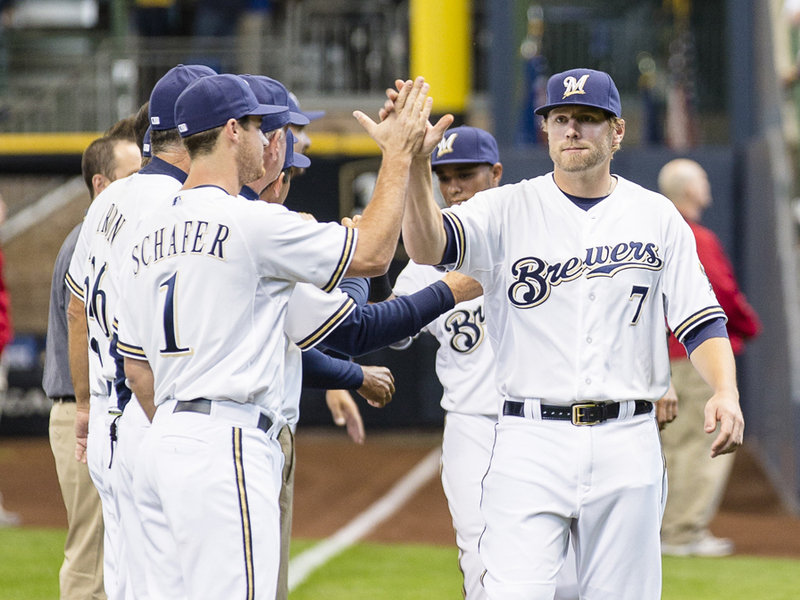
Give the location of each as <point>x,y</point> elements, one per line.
<point>248,255</point>
<point>465,359</point>
<point>576,300</point>
<point>310,316</point>
<point>108,225</point>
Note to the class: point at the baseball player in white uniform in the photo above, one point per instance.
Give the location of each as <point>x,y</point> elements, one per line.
<point>100,249</point>
<point>580,269</point>
<point>313,315</point>
<point>467,161</point>
<point>214,272</point>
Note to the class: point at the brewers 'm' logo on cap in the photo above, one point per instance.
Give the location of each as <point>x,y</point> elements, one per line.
<point>446,145</point>
<point>574,86</point>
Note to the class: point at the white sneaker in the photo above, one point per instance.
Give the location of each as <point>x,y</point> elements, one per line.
<point>706,546</point>
<point>709,545</point>
<point>9,519</point>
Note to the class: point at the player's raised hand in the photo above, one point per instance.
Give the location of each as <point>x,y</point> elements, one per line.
<point>433,133</point>
<point>344,411</point>
<point>403,129</point>
<point>723,408</point>
<point>378,386</point>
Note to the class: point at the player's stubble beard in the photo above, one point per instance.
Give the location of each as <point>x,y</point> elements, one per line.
<point>598,152</point>
<point>250,162</point>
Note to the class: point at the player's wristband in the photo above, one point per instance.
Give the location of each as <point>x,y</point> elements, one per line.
<point>380,288</point>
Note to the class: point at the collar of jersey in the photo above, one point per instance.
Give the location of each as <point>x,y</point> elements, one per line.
<point>157,166</point>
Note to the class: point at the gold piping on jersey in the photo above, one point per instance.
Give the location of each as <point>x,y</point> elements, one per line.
<point>329,325</point>
<point>74,287</point>
<point>344,261</point>
<point>458,228</point>
<point>136,352</point>
<point>711,312</point>
<point>247,534</point>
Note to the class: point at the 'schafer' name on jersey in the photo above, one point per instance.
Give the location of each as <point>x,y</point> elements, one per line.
<point>189,237</point>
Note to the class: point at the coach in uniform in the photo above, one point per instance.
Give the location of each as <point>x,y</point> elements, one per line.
<point>580,269</point>
<point>209,473</point>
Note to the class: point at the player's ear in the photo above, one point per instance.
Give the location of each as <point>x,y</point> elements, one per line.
<point>497,174</point>
<point>618,126</point>
<point>99,182</point>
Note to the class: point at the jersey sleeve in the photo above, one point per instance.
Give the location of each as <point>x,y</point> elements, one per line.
<point>76,272</point>
<point>312,314</point>
<point>476,234</point>
<point>297,249</point>
<point>412,279</point>
<point>127,328</point>
<point>689,297</point>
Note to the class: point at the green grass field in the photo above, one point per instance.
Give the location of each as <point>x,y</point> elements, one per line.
<point>30,559</point>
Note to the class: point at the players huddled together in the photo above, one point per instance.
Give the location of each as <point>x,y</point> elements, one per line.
<point>200,306</point>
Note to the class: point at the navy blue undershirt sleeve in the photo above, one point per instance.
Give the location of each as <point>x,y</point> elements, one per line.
<point>451,249</point>
<point>375,326</point>
<point>702,332</point>
<point>324,372</point>
<point>357,288</point>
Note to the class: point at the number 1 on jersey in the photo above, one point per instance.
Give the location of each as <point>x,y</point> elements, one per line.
<point>170,335</point>
<point>641,291</point>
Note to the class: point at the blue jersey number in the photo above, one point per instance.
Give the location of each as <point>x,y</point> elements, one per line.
<point>640,291</point>
<point>170,334</point>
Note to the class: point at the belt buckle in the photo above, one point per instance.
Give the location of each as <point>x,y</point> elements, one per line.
<point>579,415</point>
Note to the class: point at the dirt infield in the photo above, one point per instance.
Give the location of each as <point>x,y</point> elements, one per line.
<point>336,480</point>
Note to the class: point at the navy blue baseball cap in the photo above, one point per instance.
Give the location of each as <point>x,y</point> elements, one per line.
<point>272,91</point>
<point>166,91</point>
<point>294,159</point>
<point>311,115</point>
<point>466,145</point>
<point>582,86</point>
<point>146,151</point>
<point>210,101</point>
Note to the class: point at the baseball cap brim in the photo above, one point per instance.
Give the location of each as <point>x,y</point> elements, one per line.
<point>313,115</point>
<point>298,118</point>
<point>543,110</point>
<point>300,160</point>
<point>459,161</point>
<point>262,110</point>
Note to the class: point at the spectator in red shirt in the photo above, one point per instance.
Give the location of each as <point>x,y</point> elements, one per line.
<point>696,482</point>
<point>7,518</point>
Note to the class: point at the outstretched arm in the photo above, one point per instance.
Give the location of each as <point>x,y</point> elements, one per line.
<point>399,138</point>
<point>375,326</point>
<point>424,235</point>
<point>423,231</point>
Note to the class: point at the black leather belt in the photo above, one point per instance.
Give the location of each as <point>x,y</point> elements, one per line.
<point>581,413</point>
<point>203,406</point>
<point>64,399</point>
